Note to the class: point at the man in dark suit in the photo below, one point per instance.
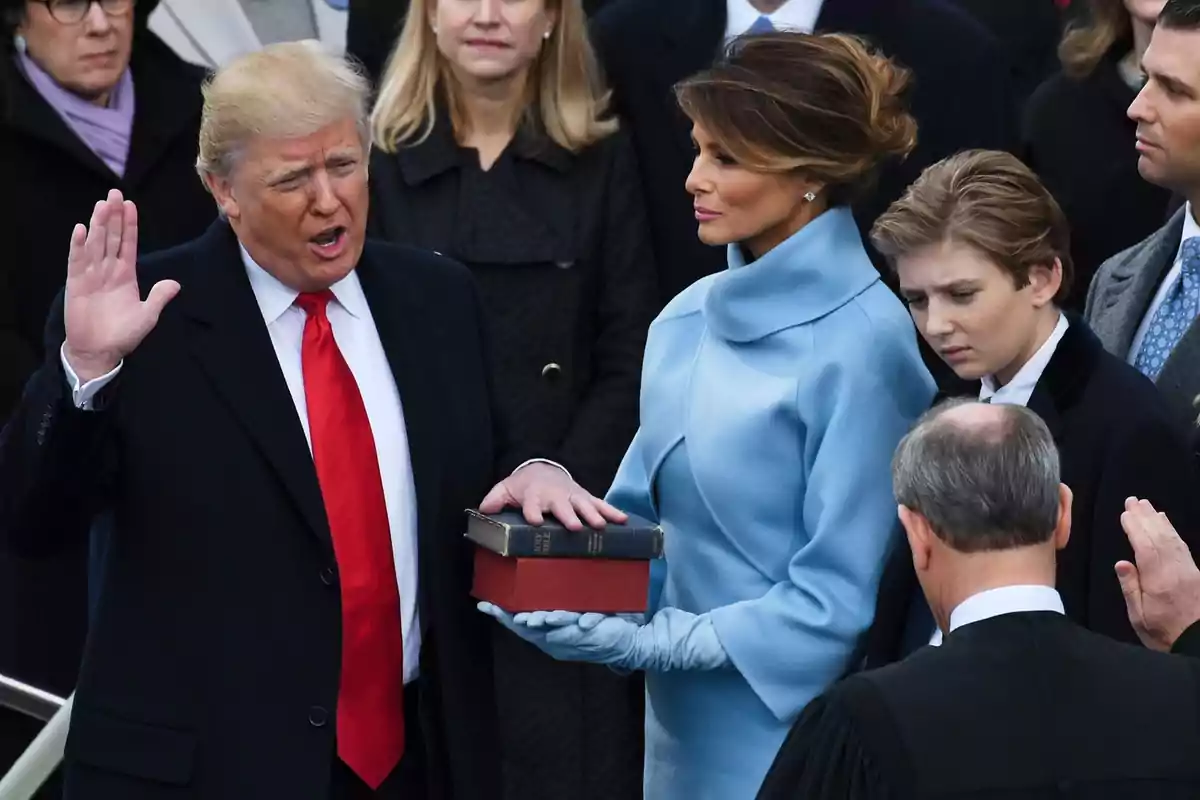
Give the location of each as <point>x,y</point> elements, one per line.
<point>961,98</point>
<point>286,425</point>
<point>1018,702</point>
<point>1144,303</point>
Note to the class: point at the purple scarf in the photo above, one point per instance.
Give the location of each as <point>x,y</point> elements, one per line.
<point>106,130</point>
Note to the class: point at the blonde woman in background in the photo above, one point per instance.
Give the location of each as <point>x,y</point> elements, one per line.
<point>494,147</point>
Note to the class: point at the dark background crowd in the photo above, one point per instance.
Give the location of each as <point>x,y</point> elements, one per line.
<point>577,237</point>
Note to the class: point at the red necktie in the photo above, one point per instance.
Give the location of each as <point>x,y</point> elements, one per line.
<point>370,711</point>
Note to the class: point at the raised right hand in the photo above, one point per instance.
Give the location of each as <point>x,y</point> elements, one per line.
<point>105,316</point>
<point>1162,586</point>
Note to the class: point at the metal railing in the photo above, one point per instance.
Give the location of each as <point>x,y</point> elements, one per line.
<point>44,755</point>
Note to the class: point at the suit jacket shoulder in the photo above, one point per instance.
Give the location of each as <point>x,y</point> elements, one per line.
<point>1036,681</point>
<point>1124,285</point>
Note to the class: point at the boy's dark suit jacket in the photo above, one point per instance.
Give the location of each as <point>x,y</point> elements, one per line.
<point>1115,439</point>
<point>212,664</point>
<point>1024,705</point>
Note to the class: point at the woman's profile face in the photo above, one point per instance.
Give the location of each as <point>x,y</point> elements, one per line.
<point>972,312</point>
<point>491,39</point>
<point>736,204</point>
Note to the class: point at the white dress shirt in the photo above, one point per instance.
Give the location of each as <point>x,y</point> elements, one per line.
<point>1018,390</point>
<point>358,340</point>
<point>1191,229</point>
<point>793,15</point>
<point>1005,600</point>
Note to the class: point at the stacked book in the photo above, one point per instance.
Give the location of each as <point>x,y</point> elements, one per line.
<point>524,567</point>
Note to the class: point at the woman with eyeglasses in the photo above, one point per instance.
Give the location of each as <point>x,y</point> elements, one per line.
<point>89,101</point>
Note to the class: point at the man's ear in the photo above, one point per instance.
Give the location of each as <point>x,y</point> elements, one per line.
<point>1062,530</point>
<point>222,190</point>
<point>920,536</point>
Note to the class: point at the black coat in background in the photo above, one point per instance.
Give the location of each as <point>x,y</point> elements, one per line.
<point>1028,32</point>
<point>213,658</point>
<point>53,180</point>
<point>1079,140</point>
<point>559,247</point>
<point>1020,706</point>
<point>961,98</point>
<point>1116,439</point>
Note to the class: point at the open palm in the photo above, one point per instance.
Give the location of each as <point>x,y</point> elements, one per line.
<point>104,314</point>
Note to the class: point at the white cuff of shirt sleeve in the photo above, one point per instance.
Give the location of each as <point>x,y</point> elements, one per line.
<point>83,395</point>
<point>543,461</point>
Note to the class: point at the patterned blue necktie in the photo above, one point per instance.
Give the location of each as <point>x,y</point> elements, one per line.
<point>761,25</point>
<point>1179,309</point>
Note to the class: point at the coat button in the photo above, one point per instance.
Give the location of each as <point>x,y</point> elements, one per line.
<point>551,371</point>
<point>329,576</point>
<point>317,717</point>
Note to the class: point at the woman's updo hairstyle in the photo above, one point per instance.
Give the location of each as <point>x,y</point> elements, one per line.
<point>822,105</point>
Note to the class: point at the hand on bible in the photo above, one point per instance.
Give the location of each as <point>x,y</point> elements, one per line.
<point>103,310</point>
<point>538,488</point>
<point>1162,589</point>
<point>672,640</point>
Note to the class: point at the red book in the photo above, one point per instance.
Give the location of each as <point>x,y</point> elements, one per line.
<point>608,586</point>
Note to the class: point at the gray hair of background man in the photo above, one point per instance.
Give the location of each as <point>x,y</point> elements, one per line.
<point>285,91</point>
<point>1181,15</point>
<point>982,484</point>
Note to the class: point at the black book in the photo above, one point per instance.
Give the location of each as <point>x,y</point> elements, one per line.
<point>508,534</point>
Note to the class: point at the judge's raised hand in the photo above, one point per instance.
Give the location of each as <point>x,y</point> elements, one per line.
<point>1162,589</point>
<point>105,316</point>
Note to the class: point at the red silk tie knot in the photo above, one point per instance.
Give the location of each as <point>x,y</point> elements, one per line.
<point>314,304</point>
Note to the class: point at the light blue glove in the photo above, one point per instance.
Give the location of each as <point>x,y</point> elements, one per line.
<point>672,640</point>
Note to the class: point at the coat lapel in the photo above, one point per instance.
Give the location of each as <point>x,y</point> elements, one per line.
<point>1126,294</point>
<point>403,326</point>
<point>230,340</point>
<point>1179,381</point>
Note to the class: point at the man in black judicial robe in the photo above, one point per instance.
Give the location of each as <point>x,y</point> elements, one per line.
<point>1018,702</point>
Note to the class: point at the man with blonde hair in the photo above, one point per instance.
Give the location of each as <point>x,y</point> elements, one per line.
<point>286,422</point>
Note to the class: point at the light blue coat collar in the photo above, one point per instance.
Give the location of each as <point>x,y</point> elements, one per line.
<point>818,269</point>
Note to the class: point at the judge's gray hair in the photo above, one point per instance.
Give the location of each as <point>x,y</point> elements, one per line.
<point>285,90</point>
<point>985,481</point>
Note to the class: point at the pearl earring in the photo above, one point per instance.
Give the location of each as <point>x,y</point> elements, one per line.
<point>546,35</point>
<point>809,196</point>
<point>19,43</point>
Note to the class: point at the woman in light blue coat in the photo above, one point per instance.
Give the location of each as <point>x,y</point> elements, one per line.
<point>773,396</point>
